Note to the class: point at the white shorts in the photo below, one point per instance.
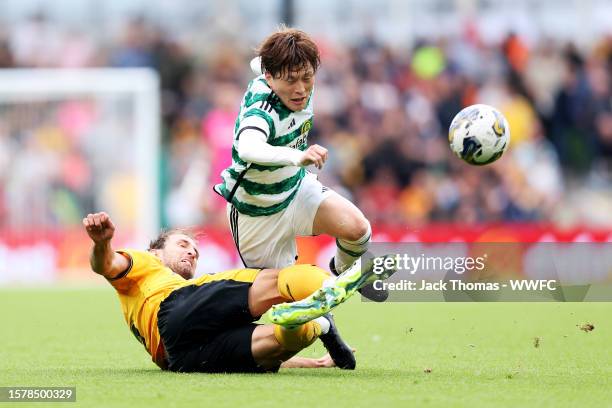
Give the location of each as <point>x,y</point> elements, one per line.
<point>269,241</point>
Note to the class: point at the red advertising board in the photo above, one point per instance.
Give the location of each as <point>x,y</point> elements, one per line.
<point>52,256</point>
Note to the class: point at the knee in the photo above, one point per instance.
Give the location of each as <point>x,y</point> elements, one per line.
<point>359,229</point>
<point>298,281</point>
<point>297,275</point>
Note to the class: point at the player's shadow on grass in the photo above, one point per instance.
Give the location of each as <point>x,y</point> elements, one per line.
<point>92,371</point>
<point>364,373</point>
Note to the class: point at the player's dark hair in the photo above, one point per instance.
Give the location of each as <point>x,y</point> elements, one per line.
<point>160,241</point>
<point>288,50</point>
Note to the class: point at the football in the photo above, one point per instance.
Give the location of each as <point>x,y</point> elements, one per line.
<point>479,134</point>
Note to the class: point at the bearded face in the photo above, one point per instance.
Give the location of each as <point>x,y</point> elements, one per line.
<point>180,254</point>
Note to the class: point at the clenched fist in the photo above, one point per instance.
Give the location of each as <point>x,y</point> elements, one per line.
<point>99,227</point>
<point>316,155</point>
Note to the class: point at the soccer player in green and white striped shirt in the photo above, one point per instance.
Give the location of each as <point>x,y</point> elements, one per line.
<point>272,198</point>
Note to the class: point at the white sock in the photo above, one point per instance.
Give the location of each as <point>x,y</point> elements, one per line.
<point>349,251</point>
<point>324,323</point>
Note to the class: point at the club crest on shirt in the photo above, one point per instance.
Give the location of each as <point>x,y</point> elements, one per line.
<point>306,126</point>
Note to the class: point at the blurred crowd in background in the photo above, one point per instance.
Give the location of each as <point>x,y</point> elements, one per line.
<point>382,111</point>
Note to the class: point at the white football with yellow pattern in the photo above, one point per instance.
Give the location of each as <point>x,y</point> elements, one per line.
<point>479,134</point>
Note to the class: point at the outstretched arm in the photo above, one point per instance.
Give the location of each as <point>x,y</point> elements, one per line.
<point>103,259</point>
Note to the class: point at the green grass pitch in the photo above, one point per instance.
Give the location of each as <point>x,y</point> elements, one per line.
<point>409,354</point>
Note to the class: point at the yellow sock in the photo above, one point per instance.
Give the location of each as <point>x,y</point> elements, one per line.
<point>295,339</point>
<point>299,281</point>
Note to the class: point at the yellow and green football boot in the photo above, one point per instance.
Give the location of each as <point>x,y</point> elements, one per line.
<point>334,292</point>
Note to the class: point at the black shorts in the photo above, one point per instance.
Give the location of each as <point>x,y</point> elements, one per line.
<point>209,328</point>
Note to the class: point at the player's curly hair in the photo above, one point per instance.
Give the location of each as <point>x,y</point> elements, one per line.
<point>288,50</point>
<point>160,241</point>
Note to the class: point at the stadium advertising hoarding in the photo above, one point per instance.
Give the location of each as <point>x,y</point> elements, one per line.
<point>576,254</point>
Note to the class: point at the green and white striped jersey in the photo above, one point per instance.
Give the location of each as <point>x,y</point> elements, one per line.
<point>262,189</point>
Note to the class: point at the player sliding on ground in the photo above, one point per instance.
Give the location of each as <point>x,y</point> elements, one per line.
<point>207,324</point>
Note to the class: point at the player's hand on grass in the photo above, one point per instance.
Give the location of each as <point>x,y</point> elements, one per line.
<point>316,155</point>
<point>99,227</point>
<point>306,362</point>
<point>324,362</point>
